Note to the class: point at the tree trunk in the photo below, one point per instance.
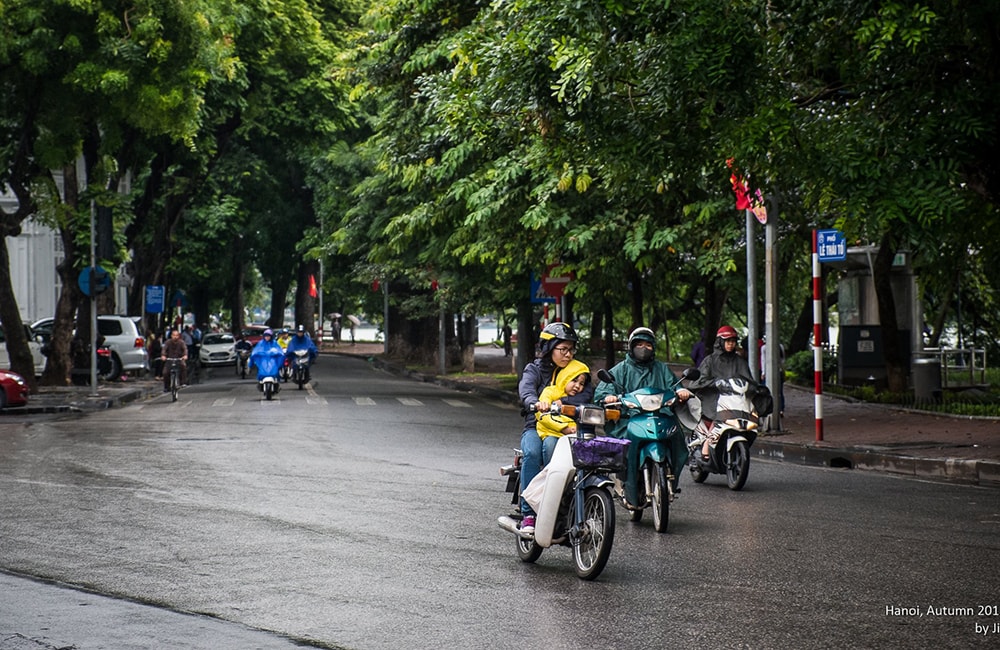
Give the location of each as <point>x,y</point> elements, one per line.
<point>60,361</point>
<point>895,361</point>
<point>635,287</point>
<point>10,317</point>
<point>467,341</point>
<point>609,334</point>
<point>305,304</point>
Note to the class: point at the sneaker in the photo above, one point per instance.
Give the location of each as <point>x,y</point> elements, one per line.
<point>528,524</point>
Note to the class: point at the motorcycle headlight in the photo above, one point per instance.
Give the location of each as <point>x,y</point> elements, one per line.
<point>591,415</point>
<point>652,402</point>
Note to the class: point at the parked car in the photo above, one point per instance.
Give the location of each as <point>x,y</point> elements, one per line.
<point>128,345</point>
<point>13,389</point>
<point>43,328</point>
<point>254,333</point>
<point>122,334</point>
<point>217,349</point>
<point>34,344</point>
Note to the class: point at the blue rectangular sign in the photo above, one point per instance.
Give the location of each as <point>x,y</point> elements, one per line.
<point>831,246</point>
<point>155,298</point>
<point>538,295</point>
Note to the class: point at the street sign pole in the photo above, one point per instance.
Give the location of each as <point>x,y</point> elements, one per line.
<point>753,352</point>
<point>772,371</point>
<point>93,302</point>
<point>817,335</point>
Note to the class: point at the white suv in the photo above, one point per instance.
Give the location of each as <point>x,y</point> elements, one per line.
<point>128,345</point>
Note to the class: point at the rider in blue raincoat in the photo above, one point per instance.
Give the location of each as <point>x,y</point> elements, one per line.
<point>301,341</point>
<point>267,356</point>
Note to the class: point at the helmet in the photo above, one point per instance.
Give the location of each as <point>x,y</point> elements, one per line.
<point>641,334</point>
<point>284,330</point>
<point>301,329</point>
<point>552,334</point>
<point>268,332</point>
<point>726,332</point>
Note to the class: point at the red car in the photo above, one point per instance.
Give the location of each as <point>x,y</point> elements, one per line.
<point>254,333</point>
<point>13,389</point>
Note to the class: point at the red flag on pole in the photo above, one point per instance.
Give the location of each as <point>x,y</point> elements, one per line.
<point>313,291</point>
<point>739,188</point>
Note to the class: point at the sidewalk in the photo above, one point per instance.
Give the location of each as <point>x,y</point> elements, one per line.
<point>855,435</point>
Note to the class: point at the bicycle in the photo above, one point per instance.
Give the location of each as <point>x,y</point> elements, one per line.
<point>174,364</point>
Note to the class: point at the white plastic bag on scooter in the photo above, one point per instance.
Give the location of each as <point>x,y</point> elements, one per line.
<point>545,492</point>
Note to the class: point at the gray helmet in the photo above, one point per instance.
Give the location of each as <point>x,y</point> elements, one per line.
<point>552,334</point>
<point>641,334</point>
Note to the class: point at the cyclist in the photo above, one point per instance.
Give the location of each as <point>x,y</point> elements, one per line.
<point>174,348</point>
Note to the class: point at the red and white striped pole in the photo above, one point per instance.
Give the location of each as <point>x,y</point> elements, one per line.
<point>817,335</point>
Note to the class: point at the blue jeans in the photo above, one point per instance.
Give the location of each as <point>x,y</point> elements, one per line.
<point>537,454</point>
<point>531,463</point>
<point>548,447</point>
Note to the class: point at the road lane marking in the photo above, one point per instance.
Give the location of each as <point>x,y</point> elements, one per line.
<point>364,401</point>
<point>457,403</point>
<point>409,401</point>
<point>315,400</point>
<point>224,401</point>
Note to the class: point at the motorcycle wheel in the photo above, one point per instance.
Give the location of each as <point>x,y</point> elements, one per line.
<point>738,465</point>
<point>698,475</point>
<point>113,371</point>
<point>173,386</point>
<point>660,499</point>
<point>528,550</point>
<point>592,550</point>
<point>268,391</point>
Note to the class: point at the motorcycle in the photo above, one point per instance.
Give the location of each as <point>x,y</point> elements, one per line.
<point>285,371</point>
<point>572,494</point>
<point>730,435</point>
<point>650,425</point>
<point>300,368</point>
<point>242,362</point>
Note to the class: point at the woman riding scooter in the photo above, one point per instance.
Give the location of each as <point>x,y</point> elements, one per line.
<point>267,356</point>
<point>556,348</point>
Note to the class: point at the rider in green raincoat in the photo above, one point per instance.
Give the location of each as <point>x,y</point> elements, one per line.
<point>640,369</point>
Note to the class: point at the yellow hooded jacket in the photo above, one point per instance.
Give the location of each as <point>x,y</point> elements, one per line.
<point>553,425</point>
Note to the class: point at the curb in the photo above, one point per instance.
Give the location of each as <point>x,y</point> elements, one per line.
<point>985,473</point>
<point>86,403</point>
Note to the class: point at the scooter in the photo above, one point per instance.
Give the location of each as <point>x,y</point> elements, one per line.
<point>285,371</point>
<point>731,434</point>
<point>300,368</point>
<point>650,425</point>
<point>572,494</point>
<point>268,368</point>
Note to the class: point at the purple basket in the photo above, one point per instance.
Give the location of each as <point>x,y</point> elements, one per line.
<point>606,453</point>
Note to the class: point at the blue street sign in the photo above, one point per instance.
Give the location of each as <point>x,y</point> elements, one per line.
<point>831,246</point>
<point>538,295</point>
<point>93,277</point>
<point>155,298</point>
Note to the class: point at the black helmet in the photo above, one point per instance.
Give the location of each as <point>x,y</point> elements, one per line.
<point>641,334</point>
<point>301,329</point>
<point>552,334</point>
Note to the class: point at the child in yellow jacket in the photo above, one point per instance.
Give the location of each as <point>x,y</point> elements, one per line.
<point>568,382</point>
